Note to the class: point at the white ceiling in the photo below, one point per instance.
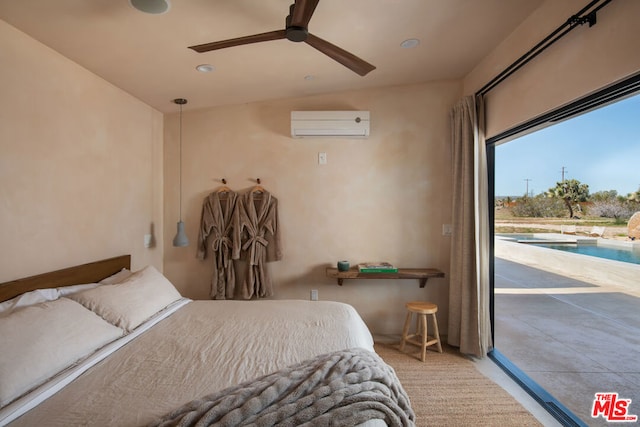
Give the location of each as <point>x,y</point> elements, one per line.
<point>147,56</point>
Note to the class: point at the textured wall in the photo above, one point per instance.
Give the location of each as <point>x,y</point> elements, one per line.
<point>583,61</point>
<point>83,175</point>
<point>80,164</point>
<point>381,198</point>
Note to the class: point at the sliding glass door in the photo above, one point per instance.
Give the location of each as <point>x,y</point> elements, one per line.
<point>566,265</point>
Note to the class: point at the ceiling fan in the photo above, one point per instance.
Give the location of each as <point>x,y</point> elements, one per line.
<point>296,30</point>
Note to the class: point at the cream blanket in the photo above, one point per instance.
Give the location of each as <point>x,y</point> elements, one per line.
<point>342,388</point>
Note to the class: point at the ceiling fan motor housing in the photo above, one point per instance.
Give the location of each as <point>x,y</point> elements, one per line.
<point>296,34</point>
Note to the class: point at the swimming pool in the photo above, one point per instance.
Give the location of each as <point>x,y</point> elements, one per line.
<point>578,245</point>
<point>616,254</point>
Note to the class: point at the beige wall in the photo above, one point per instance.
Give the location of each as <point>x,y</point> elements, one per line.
<point>82,177</point>
<point>381,198</point>
<point>80,164</point>
<point>583,61</point>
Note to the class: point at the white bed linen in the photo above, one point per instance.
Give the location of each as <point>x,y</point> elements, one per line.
<point>203,347</point>
<point>58,382</point>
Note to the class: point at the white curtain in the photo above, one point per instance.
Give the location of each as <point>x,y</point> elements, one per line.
<point>469,318</point>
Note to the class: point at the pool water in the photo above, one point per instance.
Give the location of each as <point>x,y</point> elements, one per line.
<point>616,254</point>
<point>601,251</point>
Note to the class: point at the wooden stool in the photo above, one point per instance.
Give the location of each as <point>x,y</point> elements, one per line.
<point>421,338</point>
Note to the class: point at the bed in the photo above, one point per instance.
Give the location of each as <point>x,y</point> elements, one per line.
<point>98,344</point>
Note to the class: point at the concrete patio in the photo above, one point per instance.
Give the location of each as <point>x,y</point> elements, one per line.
<point>573,336</point>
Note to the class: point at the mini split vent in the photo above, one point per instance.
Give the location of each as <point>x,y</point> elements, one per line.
<point>345,124</point>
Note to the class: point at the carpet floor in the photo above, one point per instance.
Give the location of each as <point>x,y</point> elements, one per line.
<point>448,390</point>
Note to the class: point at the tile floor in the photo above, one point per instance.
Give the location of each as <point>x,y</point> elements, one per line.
<point>572,337</point>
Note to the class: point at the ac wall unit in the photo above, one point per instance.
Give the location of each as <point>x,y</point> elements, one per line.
<point>346,124</point>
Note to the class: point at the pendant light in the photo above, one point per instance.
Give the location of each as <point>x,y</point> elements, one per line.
<point>155,7</point>
<point>181,237</point>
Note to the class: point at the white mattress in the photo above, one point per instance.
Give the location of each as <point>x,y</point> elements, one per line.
<point>204,347</point>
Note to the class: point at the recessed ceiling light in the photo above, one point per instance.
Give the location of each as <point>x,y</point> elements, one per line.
<point>409,43</point>
<point>309,77</point>
<point>155,7</point>
<point>205,68</point>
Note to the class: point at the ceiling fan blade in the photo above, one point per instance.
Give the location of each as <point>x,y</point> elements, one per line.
<point>347,59</point>
<point>302,12</point>
<point>256,38</point>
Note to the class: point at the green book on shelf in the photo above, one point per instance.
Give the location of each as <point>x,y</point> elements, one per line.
<point>377,267</point>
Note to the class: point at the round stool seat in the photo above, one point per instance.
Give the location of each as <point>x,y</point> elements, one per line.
<point>422,307</point>
<point>421,338</point>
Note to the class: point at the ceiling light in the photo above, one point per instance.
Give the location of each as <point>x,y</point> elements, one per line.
<point>155,7</point>
<point>205,68</point>
<point>410,43</point>
<point>309,77</point>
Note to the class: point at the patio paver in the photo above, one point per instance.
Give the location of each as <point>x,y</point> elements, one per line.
<point>572,337</point>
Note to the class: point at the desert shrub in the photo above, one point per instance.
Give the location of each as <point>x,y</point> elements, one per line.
<point>539,207</point>
<point>612,208</point>
<point>600,196</point>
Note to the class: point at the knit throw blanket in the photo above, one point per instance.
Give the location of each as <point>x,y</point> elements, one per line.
<point>343,388</point>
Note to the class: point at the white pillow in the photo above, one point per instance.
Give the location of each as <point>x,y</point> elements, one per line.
<point>41,340</point>
<point>68,290</point>
<point>131,302</point>
<point>41,295</point>
<point>117,278</point>
<point>28,298</point>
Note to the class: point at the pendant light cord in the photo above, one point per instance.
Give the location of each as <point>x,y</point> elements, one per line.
<point>180,180</point>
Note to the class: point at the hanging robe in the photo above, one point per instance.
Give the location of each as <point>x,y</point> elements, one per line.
<point>217,221</point>
<point>257,241</point>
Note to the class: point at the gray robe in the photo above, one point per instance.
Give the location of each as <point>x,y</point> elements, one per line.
<point>256,239</point>
<point>217,221</point>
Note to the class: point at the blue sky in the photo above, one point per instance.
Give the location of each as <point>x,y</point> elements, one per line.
<point>600,148</point>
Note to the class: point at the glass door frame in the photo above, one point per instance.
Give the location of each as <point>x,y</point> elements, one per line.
<point>610,94</point>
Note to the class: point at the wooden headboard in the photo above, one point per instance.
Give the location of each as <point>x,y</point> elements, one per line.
<point>86,273</point>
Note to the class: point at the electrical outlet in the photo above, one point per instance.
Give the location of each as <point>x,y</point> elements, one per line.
<point>314,295</point>
<point>322,158</point>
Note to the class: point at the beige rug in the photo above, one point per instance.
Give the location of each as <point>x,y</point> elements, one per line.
<point>447,390</point>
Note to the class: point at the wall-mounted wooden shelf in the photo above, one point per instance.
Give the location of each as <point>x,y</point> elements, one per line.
<point>420,274</point>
